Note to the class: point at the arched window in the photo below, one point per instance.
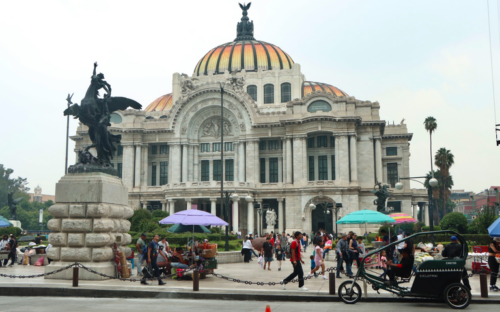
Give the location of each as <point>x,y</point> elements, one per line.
<point>319,106</point>
<point>252,91</point>
<point>268,94</point>
<point>286,92</point>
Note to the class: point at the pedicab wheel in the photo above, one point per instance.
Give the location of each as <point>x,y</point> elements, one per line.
<point>457,296</point>
<point>348,296</point>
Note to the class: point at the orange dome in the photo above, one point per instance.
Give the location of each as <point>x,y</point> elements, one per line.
<point>162,103</point>
<point>310,86</point>
<point>243,54</point>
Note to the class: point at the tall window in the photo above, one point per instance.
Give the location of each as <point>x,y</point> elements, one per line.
<point>310,142</point>
<point>205,170</point>
<point>391,151</point>
<point>120,169</point>
<point>262,145</point>
<point>392,173</point>
<point>215,147</point>
<point>164,149</point>
<point>273,144</point>
<point>268,94</point>
<point>311,168</point>
<point>286,92</point>
<point>322,167</point>
<point>333,167</point>
<point>217,170</point>
<point>252,91</point>
<point>229,170</point>
<point>154,149</point>
<point>332,141</point>
<point>228,146</point>
<point>273,170</point>
<point>322,141</point>
<point>153,174</point>
<point>262,170</point>
<point>163,172</point>
<point>120,150</point>
<point>205,147</point>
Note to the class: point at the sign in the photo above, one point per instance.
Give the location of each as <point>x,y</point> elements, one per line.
<point>40,218</point>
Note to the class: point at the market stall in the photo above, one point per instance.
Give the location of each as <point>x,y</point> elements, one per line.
<point>367,217</point>
<point>203,255</point>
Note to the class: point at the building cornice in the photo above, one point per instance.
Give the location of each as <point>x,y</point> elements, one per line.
<point>408,136</point>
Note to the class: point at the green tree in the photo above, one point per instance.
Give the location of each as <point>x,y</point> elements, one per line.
<point>28,213</point>
<point>485,217</point>
<point>17,186</point>
<point>454,221</point>
<point>444,159</point>
<point>430,125</point>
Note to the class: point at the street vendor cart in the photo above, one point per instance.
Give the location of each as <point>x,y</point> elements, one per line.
<point>433,278</point>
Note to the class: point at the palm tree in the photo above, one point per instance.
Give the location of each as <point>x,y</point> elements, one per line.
<point>444,159</point>
<point>431,126</point>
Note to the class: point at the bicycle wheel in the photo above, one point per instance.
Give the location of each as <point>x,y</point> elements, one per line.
<point>457,296</point>
<point>347,295</point>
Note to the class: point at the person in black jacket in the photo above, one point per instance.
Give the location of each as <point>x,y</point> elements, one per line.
<point>454,249</point>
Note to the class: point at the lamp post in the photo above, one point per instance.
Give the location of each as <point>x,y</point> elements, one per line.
<point>222,201</point>
<point>433,182</point>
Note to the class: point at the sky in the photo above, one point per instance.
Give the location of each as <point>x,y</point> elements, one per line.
<point>416,58</point>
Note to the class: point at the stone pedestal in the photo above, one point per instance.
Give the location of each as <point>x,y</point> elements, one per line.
<point>90,215</point>
<point>270,229</point>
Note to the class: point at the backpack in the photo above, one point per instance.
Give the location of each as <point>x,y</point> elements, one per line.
<point>288,250</point>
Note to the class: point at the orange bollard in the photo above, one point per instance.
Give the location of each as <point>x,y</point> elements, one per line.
<point>268,308</point>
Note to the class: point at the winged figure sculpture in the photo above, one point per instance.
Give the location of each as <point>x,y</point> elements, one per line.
<point>94,112</point>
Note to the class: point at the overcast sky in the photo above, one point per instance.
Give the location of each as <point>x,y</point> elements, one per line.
<point>417,58</point>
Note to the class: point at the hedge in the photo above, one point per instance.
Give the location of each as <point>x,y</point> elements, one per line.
<point>181,238</point>
<point>10,230</point>
<point>472,239</point>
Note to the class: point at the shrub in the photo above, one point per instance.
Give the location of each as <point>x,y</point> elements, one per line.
<point>10,230</point>
<point>215,230</point>
<point>407,227</point>
<point>417,227</point>
<point>386,228</point>
<point>135,220</point>
<point>454,221</point>
<point>159,214</point>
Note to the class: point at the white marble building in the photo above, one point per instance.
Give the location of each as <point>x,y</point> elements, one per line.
<point>288,142</point>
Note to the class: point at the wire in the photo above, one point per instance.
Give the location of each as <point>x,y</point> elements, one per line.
<point>491,61</point>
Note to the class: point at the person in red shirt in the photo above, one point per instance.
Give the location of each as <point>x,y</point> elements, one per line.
<point>297,262</point>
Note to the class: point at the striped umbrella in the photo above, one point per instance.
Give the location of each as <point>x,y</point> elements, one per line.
<point>402,218</point>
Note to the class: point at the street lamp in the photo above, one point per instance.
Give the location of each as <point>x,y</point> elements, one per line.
<point>433,182</point>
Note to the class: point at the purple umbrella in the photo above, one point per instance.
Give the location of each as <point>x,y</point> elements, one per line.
<point>193,217</point>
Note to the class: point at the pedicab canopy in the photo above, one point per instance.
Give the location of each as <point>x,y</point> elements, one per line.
<point>366,217</point>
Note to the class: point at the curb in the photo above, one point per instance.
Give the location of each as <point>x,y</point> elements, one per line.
<point>154,294</point>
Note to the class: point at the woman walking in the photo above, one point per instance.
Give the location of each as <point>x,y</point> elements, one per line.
<point>493,251</point>
<point>353,250</point>
<point>247,249</point>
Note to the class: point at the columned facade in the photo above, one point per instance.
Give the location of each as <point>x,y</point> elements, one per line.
<point>287,141</point>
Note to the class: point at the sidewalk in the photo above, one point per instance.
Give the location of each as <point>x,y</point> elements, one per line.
<point>211,287</point>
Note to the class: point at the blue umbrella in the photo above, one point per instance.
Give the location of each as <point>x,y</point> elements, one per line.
<point>494,228</point>
<point>4,224</point>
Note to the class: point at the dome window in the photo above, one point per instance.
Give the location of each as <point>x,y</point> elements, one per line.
<point>163,116</point>
<point>268,94</point>
<point>115,118</point>
<point>319,106</point>
<point>252,91</point>
<point>286,92</point>
<point>150,117</point>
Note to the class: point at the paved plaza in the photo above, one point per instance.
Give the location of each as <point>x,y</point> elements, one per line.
<point>243,271</point>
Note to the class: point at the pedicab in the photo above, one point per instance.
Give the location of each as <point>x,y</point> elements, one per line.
<point>434,279</point>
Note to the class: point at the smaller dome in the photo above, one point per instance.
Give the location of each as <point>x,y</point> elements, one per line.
<point>162,103</point>
<point>311,86</point>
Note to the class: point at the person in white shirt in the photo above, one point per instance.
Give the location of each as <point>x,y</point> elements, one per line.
<point>247,249</point>
<point>163,242</point>
<point>3,244</point>
<point>399,246</point>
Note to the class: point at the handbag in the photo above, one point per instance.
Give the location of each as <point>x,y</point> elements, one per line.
<point>147,271</point>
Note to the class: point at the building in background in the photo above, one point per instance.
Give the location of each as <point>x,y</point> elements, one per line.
<point>37,196</point>
<point>288,142</point>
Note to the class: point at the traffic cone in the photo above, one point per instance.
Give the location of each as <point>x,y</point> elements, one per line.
<point>268,308</point>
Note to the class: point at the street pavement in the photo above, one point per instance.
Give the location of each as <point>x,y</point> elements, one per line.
<point>54,304</point>
<point>243,271</point>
